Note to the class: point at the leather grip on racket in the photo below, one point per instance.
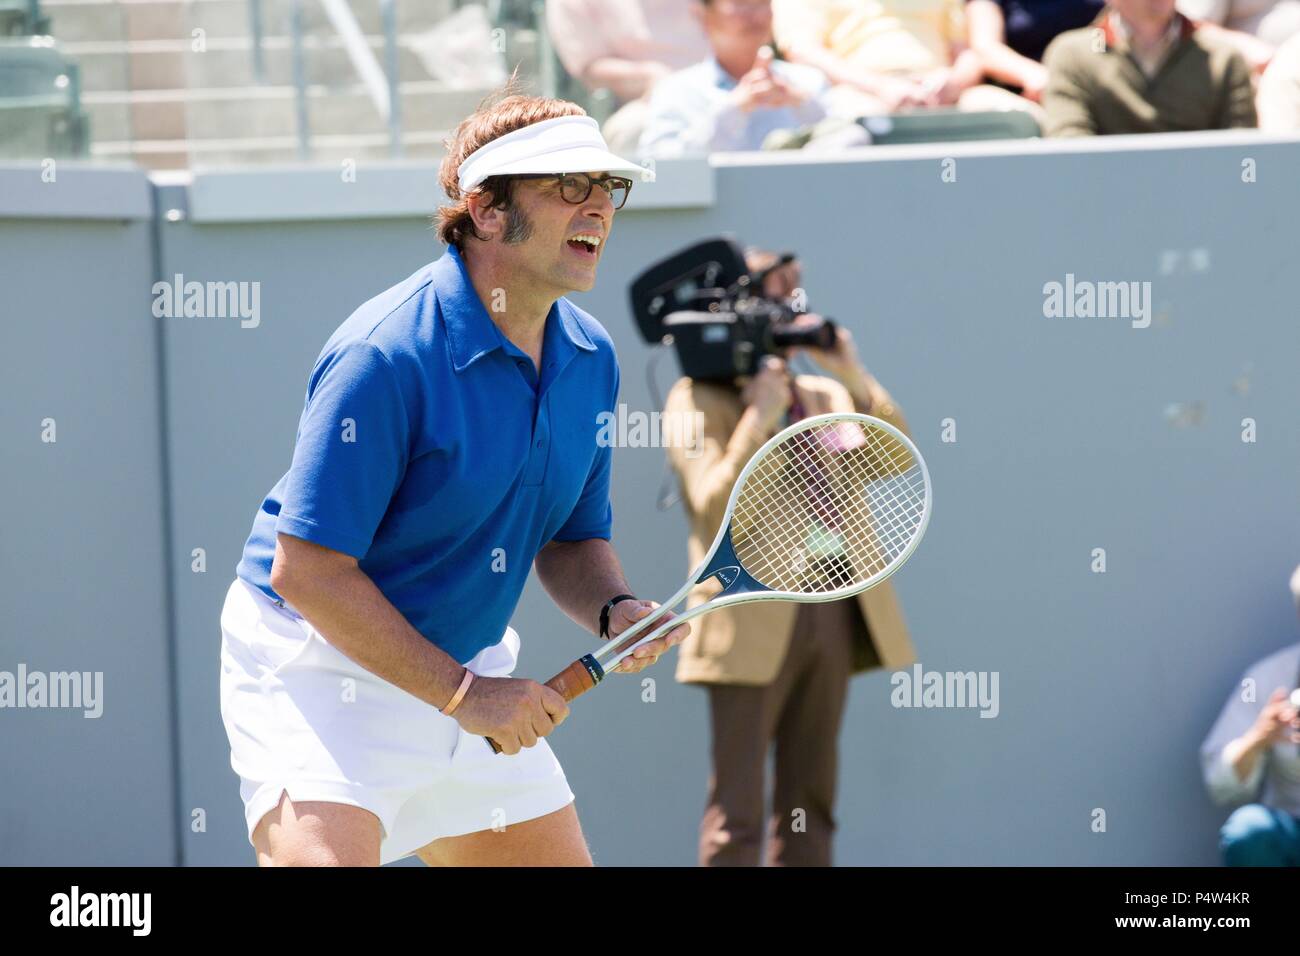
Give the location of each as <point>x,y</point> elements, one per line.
<point>576,679</point>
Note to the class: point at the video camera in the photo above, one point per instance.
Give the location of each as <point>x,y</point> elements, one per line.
<point>714,309</point>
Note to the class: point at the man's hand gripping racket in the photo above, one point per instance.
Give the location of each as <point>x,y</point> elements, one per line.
<point>826,509</point>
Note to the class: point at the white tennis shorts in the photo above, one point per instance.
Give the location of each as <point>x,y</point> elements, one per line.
<point>305,719</point>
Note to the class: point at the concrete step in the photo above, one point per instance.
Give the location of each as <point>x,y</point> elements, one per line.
<point>163,65</point>
<point>108,121</point>
<point>84,20</point>
<point>333,151</point>
<point>97,20</point>
<point>227,18</point>
<point>157,64</point>
<point>425,106</point>
<point>103,67</point>
<point>271,111</point>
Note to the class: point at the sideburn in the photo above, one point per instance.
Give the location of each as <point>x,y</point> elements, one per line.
<point>518,226</point>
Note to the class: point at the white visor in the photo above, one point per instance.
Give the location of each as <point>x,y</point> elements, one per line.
<point>566,144</point>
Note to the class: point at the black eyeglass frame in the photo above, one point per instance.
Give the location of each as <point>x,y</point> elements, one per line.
<point>591,184</point>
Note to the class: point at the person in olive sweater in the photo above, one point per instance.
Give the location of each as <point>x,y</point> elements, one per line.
<point>1142,67</point>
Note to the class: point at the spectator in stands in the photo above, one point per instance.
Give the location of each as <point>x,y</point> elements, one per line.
<point>1278,100</point>
<point>738,94</point>
<point>1009,36</point>
<point>1256,27</point>
<point>1154,71</point>
<point>888,56</point>
<point>624,46</point>
<point>1273,21</point>
<point>1251,754</point>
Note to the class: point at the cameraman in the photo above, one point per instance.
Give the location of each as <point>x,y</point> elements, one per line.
<point>775,671</point>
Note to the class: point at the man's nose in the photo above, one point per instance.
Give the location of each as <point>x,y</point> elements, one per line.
<point>600,203</point>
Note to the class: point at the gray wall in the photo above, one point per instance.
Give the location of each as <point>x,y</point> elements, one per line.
<point>83,572</point>
<point>1107,681</point>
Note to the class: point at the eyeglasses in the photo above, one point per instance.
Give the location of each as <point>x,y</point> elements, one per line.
<point>576,187</point>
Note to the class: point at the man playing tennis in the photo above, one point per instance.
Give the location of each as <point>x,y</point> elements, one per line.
<point>447,444</point>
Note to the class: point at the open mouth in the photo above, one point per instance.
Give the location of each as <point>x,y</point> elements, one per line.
<point>585,246</point>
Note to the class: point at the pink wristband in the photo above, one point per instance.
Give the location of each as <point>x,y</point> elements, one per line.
<point>460,693</point>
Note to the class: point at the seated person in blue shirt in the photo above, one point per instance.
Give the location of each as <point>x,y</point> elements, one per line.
<point>447,445</point>
<point>737,96</point>
<point>1252,757</point>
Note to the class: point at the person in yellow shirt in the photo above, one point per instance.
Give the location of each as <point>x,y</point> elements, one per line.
<point>889,56</point>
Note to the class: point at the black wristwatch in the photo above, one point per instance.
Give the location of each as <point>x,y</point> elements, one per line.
<point>609,606</point>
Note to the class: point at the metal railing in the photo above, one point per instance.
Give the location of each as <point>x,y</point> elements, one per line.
<point>388,13</point>
<point>256,35</point>
<point>299,81</point>
<point>382,83</point>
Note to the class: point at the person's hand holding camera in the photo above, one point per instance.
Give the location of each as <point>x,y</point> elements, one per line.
<point>768,393</point>
<point>843,362</point>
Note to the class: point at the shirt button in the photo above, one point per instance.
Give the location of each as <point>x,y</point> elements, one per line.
<point>540,443</point>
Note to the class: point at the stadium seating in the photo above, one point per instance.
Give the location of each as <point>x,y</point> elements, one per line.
<point>136,81</point>
<point>40,113</point>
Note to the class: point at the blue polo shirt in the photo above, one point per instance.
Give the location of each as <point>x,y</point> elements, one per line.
<point>432,450</point>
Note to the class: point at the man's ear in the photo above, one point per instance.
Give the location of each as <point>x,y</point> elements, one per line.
<point>487,221</point>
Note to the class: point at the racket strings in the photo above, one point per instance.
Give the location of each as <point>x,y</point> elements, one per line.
<point>828,508</point>
<point>835,549</point>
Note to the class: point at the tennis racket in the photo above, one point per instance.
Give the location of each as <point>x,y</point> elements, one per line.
<point>827,508</point>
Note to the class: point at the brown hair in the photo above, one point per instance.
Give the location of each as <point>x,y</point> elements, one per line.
<point>503,111</point>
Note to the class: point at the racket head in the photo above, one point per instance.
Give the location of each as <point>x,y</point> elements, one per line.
<point>879,453</point>
<point>823,544</point>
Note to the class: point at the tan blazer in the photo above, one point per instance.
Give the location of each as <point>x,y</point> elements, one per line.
<point>746,644</point>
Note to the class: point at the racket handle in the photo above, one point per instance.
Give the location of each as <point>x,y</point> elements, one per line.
<point>576,679</point>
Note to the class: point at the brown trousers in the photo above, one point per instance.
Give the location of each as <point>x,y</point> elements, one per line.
<point>801,710</point>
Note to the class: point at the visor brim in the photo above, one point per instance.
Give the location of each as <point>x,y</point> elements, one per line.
<point>580,159</point>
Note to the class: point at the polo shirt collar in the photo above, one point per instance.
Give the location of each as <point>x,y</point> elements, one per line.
<point>1116,32</point>
<point>722,80</point>
<point>471,333</point>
